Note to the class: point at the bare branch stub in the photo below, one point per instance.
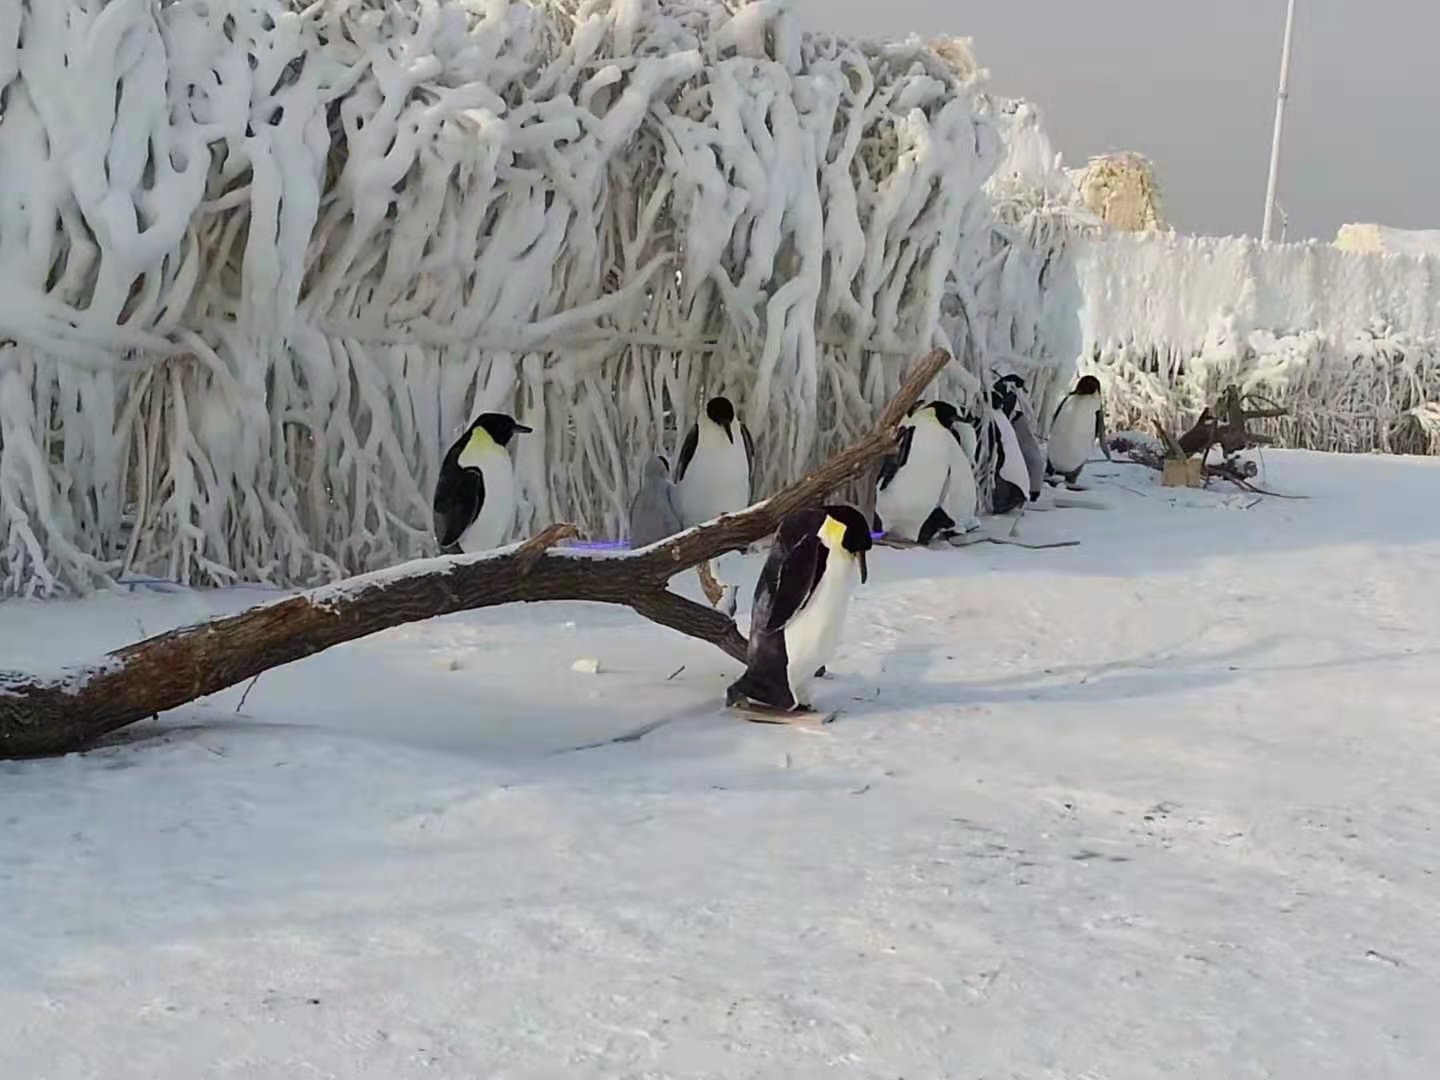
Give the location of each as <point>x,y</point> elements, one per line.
<point>41,716</point>
<point>1224,424</point>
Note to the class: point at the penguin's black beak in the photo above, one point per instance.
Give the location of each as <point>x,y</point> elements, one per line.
<point>523,429</point>
<point>730,433</point>
<point>864,570</point>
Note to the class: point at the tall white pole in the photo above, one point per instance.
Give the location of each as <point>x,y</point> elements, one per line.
<point>1270,185</point>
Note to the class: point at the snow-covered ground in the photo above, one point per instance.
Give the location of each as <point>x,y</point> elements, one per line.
<point>1161,804</point>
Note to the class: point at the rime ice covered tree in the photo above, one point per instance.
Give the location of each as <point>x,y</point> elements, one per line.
<point>267,256</point>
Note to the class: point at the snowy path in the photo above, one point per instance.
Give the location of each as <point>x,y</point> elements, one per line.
<point>1162,804</point>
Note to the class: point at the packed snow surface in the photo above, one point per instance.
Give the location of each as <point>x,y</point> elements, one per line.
<point>1161,804</point>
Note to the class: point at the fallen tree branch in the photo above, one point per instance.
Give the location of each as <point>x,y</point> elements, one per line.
<point>1224,425</point>
<point>40,716</point>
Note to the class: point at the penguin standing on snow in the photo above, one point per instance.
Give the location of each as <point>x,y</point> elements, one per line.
<point>960,499</point>
<point>1012,475</point>
<point>913,480</point>
<point>713,473</point>
<point>967,430</point>
<point>1078,424</point>
<point>475,497</point>
<point>1020,412</point>
<point>800,603</point>
<point>655,512</point>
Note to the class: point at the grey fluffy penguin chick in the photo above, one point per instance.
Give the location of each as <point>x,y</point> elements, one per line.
<point>1034,456</point>
<point>655,513</point>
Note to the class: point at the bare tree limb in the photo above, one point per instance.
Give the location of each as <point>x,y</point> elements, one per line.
<point>41,716</point>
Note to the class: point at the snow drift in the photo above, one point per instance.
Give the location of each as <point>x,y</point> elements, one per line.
<point>266,257</point>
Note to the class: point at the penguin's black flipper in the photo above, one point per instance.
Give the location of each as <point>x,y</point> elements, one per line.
<point>749,448</point>
<point>896,461</point>
<point>1100,433</point>
<point>687,451</point>
<point>458,498</point>
<point>796,578</point>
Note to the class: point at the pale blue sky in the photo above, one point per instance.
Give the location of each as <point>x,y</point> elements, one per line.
<point>1191,84</point>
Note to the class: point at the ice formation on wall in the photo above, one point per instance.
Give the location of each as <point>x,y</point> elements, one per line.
<point>263,258</point>
<point>1349,343</point>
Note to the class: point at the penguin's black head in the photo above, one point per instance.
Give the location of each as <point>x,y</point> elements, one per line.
<point>499,427</point>
<point>1002,398</point>
<point>854,533</point>
<point>1015,382</point>
<point>1087,385</point>
<point>722,413</point>
<point>946,413</point>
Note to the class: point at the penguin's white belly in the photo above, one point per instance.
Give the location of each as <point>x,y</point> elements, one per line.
<point>491,527</point>
<point>813,634</point>
<point>1013,468</point>
<point>961,499</point>
<point>717,481</point>
<point>971,440</point>
<point>916,489</point>
<point>1072,436</point>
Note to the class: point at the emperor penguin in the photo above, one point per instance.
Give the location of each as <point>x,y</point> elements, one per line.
<point>960,499</point>
<point>913,479</point>
<point>1021,414</point>
<point>655,511</point>
<point>1078,424</point>
<point>800,601</point>
<point>968,432</point>
<point>713,473</point>
<point>475,496</point>
<point>1012,475</point>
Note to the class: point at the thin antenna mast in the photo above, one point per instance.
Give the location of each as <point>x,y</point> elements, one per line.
<point>1265,231</point>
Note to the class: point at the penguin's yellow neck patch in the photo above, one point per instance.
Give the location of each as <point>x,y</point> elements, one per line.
<point>832,533</point>
<point>480,446</point>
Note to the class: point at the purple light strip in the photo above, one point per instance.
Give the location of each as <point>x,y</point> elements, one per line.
<point>624,545</point>
<point>600,545</point>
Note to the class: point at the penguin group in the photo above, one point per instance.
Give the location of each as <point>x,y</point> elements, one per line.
<point>926,490</point>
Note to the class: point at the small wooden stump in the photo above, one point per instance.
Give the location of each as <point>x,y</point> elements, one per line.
<point>1183,472</point>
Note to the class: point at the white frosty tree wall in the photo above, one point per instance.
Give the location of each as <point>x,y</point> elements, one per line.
<point>1349,343</point>
<point>264,258</point>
